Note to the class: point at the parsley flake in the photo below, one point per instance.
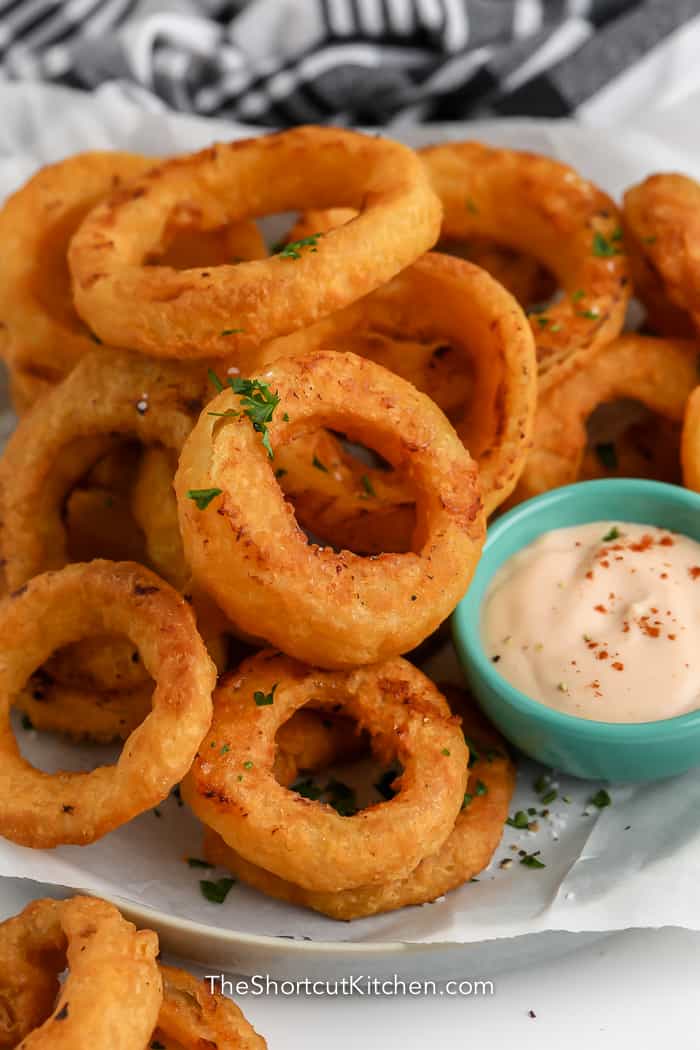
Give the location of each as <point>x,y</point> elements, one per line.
<point>600,800</point>
<point>232,331</point>
<point>614,534</point>
<point>216,892</point>
<point>604,248</point>
<point>531,860</point>
<point>294,249</point>
<point>519,820</point>
<point>265,699</point>
<point>203,497</point>
<point>367,485</point>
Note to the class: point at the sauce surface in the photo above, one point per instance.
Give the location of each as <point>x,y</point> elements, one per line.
<point>601,621</point>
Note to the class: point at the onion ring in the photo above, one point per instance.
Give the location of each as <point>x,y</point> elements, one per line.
<point>662,222</point>
<point>225,310</point>
<point>467,851</point>
<point>43,810</point>
<point>545,209</point>
<point>44,335</point>
<point>247,551</point>
<point>690,442</point>
<point>231,786</point>
<point>442,300</point>
<point>660,373</point>
<point>113,992</point>
<point>194,1018</point>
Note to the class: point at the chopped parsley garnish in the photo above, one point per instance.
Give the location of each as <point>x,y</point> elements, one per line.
<point>217,891</point>
<point>225,748</point>
<point>601,799</point>
<point>614,534</point>
<point>215,381</point>
<point>265,699</point>
<point>549,797</point>
<point>604,248</point>
<point>248,764</point>
<point>383,785</point>
<point>541,784</point>
<point>196,862</point>
<point>232,331</point>
<point>466,800</point>
<point>590,315</point>
<point>203,497</point>
<point>607,455</point>
<point>519,820</point>
<point>294,249</point>
<point>446,752</point>
<point>367,485</point>
<point>531,860</point>
<point>481,788</point>
<point>316,462</point>
<point>258,403</point>
<point>577,295</point>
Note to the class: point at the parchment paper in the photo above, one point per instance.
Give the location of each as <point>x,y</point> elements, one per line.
<point>634,863</point>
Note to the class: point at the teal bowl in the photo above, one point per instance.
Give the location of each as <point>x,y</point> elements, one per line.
<point>581,747</point>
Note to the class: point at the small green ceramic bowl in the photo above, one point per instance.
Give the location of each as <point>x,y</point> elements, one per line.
<point>584,748</point>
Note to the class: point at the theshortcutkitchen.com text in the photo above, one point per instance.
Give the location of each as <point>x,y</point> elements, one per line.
<point>263,984</point>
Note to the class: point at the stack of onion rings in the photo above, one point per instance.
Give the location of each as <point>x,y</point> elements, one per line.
<point>468,849</point>
<point>231,786</point>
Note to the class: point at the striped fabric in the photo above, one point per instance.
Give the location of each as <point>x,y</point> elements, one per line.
<point>281,62</point>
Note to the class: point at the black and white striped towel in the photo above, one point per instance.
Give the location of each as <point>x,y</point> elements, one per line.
<point>280,62</point>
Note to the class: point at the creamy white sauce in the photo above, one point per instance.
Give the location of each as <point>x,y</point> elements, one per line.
<point>606,629</point>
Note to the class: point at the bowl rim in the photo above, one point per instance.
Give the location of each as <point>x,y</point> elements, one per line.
<point>468,642</point>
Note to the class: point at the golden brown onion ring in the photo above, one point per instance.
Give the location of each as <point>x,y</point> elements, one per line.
<point>44,336</point>
<point>247,551</point>
<point>467,851</point>
<point>232,788</point>
<point>111,996</point>
<point>226,311</point>
<point>194,1018</point>
<point>545,209</point>
<point>662,222</point>
<point>660,373</point>
<point>44,810</point>
<point>442,300</point>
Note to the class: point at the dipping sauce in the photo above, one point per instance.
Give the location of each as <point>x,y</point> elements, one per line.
<point>600,621</point>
